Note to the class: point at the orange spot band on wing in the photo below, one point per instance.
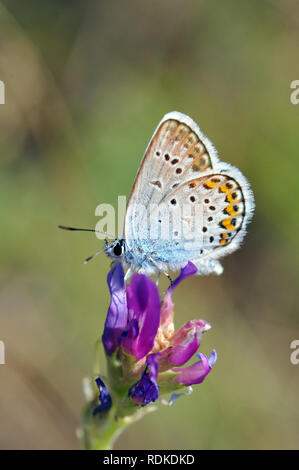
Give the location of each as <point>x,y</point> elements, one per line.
<point>210,184</point>
<point>227,224</point>
<point>224,189</point>
<point>230,198</point>
<point>230,210</point>
<point>223,239</point>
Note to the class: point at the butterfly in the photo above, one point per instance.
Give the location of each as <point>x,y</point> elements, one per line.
<point>185,204</point>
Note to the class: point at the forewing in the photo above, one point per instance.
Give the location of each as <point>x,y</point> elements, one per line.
<point>178,152</point>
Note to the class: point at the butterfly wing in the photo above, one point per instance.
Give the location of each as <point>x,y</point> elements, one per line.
<point>208,219</point>
<point>202,205</point>
<point>177,152</point>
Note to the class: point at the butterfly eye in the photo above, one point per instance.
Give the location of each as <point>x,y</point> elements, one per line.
<point>117,250</point>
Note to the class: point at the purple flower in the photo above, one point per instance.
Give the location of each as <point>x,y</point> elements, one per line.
<point>104,398</point>
<point>196,373</point>
<point>146,390</point>
<point>133,316</point>
<point>116,320</point>
<point>184,343</point>
<point>140,329</point>
<point>143,303</point>
<point>167,304</point>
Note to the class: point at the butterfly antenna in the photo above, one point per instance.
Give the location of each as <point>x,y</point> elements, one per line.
<point>63,227</point>
<point>93,256</point>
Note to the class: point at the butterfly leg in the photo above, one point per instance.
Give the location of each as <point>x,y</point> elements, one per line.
<point>128,274</point>
<point>159,271</point>
<point>168,277</point>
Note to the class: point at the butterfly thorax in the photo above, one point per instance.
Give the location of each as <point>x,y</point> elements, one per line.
<point>138,259</point>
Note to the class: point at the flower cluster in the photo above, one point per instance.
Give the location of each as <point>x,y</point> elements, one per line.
<point>145,355</point>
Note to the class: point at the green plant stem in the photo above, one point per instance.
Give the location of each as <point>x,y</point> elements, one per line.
<point>106,439</point>
<point>101,435</point>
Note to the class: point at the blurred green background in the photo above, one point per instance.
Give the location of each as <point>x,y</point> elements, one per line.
<point>86,84</point>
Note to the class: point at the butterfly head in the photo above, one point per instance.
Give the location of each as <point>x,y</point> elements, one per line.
<point>115,249</point>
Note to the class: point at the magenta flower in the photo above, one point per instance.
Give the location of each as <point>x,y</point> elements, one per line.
<point>143,317</point>
<point>146,390</point>
<point>139,335</point>
<point>196,373</point>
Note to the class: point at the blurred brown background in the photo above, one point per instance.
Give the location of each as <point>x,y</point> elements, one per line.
<point>86,84</point>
